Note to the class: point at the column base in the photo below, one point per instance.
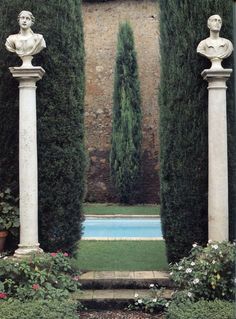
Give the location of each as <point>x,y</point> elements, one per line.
<point>25,251</point>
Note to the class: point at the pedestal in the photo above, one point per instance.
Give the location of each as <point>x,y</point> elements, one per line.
<point>218,221</point>
<point>28,167</point>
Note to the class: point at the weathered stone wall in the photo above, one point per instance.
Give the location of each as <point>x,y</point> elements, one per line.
<point>101,22</point>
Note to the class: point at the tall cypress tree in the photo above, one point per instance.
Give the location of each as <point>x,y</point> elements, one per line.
<point>60,98</point>
<point>183,121</point>
<point>126,125</point>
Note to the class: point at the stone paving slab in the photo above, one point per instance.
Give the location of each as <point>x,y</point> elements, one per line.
<point>122,215</point>
<point>161,274</point>
<point>103,294</point>
<point>124,275</point>
<point>122,238</point>
<point>104,275</point>
<point>124,279</point>
<point>88,275</point>
<point>143,275</point>
<point>119,294</point>
<point>123,293</point>
<point>84,295</point>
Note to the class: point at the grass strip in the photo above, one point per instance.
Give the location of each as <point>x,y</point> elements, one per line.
<point>122,255</point>
<point>113,209</point>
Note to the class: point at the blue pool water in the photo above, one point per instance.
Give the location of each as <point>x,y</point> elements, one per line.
<point>122,227</point>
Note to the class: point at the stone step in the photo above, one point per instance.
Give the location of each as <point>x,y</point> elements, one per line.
<point>124,279</point>
<point>115,298</point>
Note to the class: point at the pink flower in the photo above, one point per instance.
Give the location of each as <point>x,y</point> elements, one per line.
<point>65,254</point>
<point>35,286</point>
<point>3,295</point>
<point>53,254</point>
<point>76,278</point>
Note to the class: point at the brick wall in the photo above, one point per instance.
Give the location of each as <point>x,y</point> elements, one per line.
<point>101,22</point>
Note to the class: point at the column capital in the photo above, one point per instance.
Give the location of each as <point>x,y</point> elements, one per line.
<point>34,73</point>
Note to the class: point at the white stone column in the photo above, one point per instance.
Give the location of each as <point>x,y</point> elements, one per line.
<point>28,166</point>
<point>217,154</point>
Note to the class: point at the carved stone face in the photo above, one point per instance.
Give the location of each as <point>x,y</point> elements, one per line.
<point>214,23</point>
<point>25,20</point>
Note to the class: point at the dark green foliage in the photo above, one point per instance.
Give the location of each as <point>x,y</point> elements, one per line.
<point>126,126</point>
<point>94,1</point>
<point>183,120</point>
<point>38,309</point>
<point>97,1</point>
<point>60,97</point>
<point>201,310</point>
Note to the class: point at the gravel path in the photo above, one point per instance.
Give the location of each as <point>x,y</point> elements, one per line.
<point>118,315</point>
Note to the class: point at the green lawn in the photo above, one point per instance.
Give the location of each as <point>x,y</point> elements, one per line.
<point>112,209</point>
<point>122,255</point>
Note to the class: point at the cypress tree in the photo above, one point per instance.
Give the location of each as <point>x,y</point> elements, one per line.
<point>126,122</point>
<point>183,103</point>
<point>60,97</point>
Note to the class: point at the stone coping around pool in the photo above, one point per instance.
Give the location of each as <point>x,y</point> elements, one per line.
<point>121,216</point>
<point>122,238</point>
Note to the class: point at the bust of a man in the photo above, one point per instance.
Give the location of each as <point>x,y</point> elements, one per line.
<point>26,43</point>
<point>214,47</point>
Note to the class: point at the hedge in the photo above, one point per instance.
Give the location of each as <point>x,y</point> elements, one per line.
<point>183,122</point>
<point>60,100</point>
<point>203,309</point>
<point>42,309</point>
<point>126,120</point>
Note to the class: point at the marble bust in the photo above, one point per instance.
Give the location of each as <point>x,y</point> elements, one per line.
<point>214,47</point>
<point>26,43</point>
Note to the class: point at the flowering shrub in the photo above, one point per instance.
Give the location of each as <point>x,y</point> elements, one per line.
<point>3,295</point>
<point>156,301</point>
<point>46,276</point>
<point>208,272</point>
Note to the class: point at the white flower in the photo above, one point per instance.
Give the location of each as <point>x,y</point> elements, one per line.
<point>213,261</point>
<point>171,273</point>
<point>16,264</point>
<point>196,281</point>
<point>188,270</point>
<point>140,301</point>
<point>215,246</point>
<point>5,257</point>
<point>189,294</point>
<point>154,300</point>
<point>151,285</point>
<point>180,267</point>
<point>194,245</point>
<point>192,263</point>
<point>167,304</point>
<point>136,295</point>
<point>209,241</point>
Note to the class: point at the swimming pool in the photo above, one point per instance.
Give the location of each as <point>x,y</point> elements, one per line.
<point>122,228</point>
